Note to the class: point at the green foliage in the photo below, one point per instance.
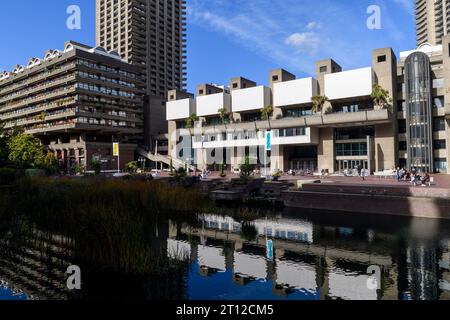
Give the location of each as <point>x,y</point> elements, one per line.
<point>381,97</point>
<point>181,172</point>
<point>224,115</point>
<point>246,168</point>
<point>190,122</point>
<point>318,102</point>
<point>266,112</point>
<point>248,231</point>
<point>131,167</point>
<point>222,171</point>
<point>26,151</point>
<point>51,163</point>
<point>96,166</point>
<point>79,169</point>
<point>107,220</point>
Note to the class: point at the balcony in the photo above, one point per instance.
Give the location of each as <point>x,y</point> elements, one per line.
<point>180,109</point>
<point>294,92</point>
<point>349,84</point>
<point>209,105</point>
<point>250,99</point>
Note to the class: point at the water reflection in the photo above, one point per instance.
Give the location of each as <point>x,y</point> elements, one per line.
<point>315,256</point>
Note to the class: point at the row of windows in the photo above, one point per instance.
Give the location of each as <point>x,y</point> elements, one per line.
<point>438,124</point>
<point>106,79</point>
<point>351,149</point>
<point>438,145</point>
<point>105,90</point>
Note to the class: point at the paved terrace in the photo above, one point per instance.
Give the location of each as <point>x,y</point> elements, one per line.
<point>440,187</point>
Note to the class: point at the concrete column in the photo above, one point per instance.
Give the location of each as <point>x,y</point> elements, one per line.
<point>277,158</point>
<point>385,147</point>
<point>326,150</point>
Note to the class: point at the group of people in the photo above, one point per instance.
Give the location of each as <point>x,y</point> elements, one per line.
<point>306,172</point>
<point>413,176</point>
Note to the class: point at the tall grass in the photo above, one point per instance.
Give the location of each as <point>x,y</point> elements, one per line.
<point>113,223</point>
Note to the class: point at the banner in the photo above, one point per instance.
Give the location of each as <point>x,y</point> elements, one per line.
<point>115,149</point>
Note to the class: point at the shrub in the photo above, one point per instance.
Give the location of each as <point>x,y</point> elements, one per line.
<point>131,167</point>
<point>96,166</point>
<point>51,163</point>
<point>246,168</point>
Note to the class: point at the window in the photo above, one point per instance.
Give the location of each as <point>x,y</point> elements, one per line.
<point>351,149</point>
<point>235,85</point>
<point>401,105</point>
<point>438,83</point>
<point>323,69</point>
<point>439,144</point>
<point>440,165</point>
<point>172,97</point>
<point>274,78</point>
<point>402,145</point>
<point>200,92</point>
<point>401,126</point>
<point>438,102</point>
<point>439,124</point>
<point>381,58</point>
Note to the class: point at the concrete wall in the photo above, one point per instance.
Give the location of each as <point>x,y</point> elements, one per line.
<point>326,150</point>
<point>386,135</point>
<point>349,84</point>
<point>252,99</point>
<point>294,92</point>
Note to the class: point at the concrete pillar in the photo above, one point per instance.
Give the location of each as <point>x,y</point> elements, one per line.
<point>326,150</point>
<point>277,158</point>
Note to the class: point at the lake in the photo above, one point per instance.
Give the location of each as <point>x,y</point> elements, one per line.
<point>290,255</point>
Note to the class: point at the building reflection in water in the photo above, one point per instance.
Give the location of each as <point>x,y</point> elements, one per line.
<point>316,260</point>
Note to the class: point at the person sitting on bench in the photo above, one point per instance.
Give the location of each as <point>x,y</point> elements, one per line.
<point>426,179</point>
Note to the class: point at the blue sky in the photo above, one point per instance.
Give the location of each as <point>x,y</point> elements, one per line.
<point>228,38</point>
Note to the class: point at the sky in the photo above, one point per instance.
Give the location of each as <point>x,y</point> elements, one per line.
<point>229,38</point>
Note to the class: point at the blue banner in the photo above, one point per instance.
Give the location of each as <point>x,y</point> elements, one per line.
<point>268,141</point>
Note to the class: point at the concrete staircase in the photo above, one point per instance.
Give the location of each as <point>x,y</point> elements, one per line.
<point>176,163</point>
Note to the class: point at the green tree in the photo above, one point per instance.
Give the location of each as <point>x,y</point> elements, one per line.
<point>380,97</point>
<point>222,170</point>
<point>246,168</point>
<point>224,115</point>
<point>4,149</point>
<point>51,163</point>
<point>96,166</point>
<point>26,151</point>
<point>131,167</point>
<point>318,102</point>
<point>266,113</point>
<point>190,122</point>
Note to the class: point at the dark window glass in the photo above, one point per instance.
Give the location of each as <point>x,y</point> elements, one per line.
<point>402,145</point>
<point>381,58</point>
<point>439,124</point>
<point>401,126</point>
<point>439,144</point>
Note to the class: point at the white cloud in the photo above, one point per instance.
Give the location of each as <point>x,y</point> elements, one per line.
<point>304,42</point>
<point>313,25</point>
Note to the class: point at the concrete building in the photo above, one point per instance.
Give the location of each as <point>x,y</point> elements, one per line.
<point>413,131</point>
<point>432,21</point>
<point>78,102</point>
<point>149,34</point>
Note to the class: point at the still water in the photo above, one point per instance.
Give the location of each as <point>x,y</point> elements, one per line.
<point>312,256</point>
